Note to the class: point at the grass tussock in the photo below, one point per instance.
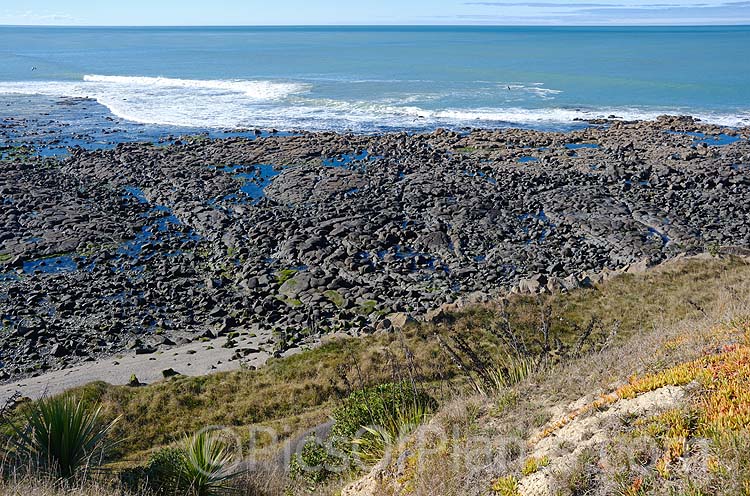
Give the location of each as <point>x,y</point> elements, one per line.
<point>203,465</point>
<point>375,439</point>
<point>61,436</point>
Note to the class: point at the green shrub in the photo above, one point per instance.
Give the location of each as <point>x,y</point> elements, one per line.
<point>161,471</point>
<point>367,423</point>
<point>377,405</point>
<point>156,477</point>
<point>61,435</point>
<point>316,462</point>
<point>206,464</point>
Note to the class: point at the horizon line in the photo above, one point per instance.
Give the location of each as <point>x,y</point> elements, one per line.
<point>742,24</point>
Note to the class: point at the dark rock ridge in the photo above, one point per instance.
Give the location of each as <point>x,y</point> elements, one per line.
<point>143,247</point>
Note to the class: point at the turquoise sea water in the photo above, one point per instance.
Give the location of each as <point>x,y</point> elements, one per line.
<point>381,78</point>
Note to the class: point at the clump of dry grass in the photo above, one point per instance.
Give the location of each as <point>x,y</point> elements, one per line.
<point>263,479</point>
<point>37,485</point>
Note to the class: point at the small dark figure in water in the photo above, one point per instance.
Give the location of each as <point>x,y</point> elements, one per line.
<point>33,68</point>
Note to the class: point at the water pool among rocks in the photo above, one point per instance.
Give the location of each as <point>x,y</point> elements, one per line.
<point>148,243</point>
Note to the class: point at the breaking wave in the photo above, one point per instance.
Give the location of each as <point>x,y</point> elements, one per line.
<point>293,105</point>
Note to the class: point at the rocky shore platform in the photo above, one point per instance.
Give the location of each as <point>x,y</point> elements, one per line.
<point>261,245</point>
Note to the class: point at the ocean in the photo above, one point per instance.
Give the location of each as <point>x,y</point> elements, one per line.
<point>372,79</point>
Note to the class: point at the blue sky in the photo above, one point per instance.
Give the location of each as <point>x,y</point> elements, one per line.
<point>297,12</point>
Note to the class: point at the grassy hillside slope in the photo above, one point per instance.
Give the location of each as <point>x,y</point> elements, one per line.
<point>640,388</point>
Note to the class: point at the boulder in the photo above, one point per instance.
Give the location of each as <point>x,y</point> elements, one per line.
<point>400,320</point>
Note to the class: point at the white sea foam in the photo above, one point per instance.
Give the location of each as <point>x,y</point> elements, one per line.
<point>167,101</point>
<point>256,90</point>
<point>290,105</point>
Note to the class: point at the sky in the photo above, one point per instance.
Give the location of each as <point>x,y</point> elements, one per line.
<point>387,12</point>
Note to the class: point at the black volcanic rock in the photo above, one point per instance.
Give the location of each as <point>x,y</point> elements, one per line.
<point>140,247</point>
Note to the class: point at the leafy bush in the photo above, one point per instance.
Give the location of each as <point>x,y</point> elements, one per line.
<point>161,473</point>
<point>61,435</point>
<point>317,462</point>
<point>368,422</point>
<point>376,406</point>
<point>155,477</point>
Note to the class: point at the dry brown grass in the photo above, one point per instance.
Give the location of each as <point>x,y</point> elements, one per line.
<point>669,317</point>
<point>41,486</point>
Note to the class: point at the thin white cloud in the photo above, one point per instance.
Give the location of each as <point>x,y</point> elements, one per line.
<point>613,13</point>
<point>582,5</point>
<point>497,12</point>
<point>34,18</point>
